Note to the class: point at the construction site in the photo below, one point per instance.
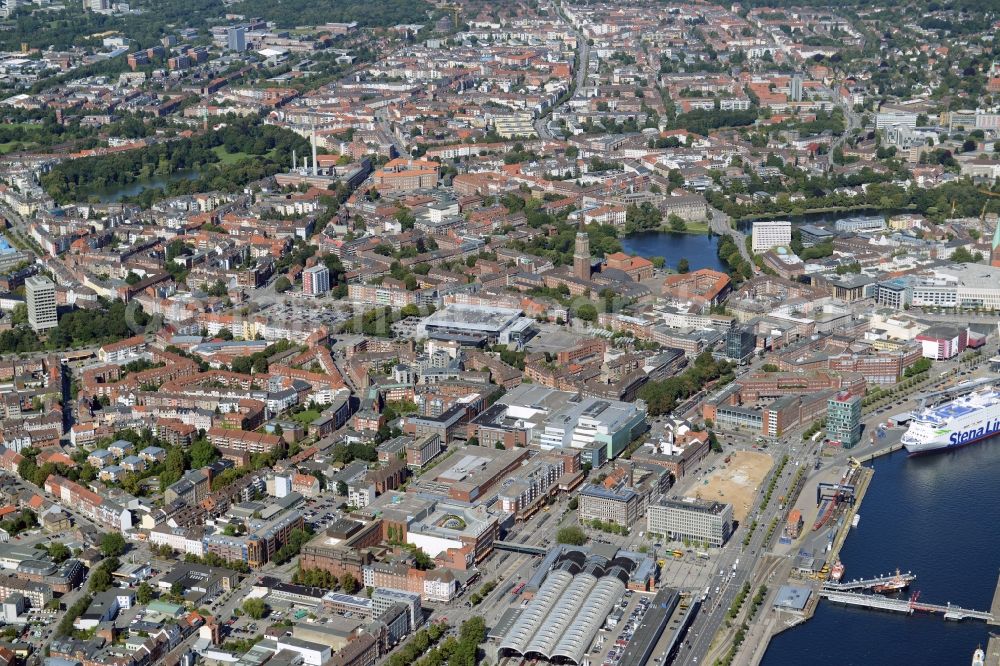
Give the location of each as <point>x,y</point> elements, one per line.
<point>736,481</point>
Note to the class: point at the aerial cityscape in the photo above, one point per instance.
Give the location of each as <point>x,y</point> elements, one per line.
<point>516,333</point>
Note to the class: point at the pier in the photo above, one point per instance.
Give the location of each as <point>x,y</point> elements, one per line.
<point>870,583</point>
<point>995,606</point>
<point>882,452</point>
<point>907,606</point>
<point>993,651</point>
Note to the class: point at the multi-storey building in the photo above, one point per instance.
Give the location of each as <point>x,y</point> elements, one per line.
<point>40,294</point>
<point>689,518</point>
<point>771,233</point>
<point>316,280</point>
<point>103,511</point>
<point>242,440</point>
<point>342,548</point>
<point>619,506</point>
<point>435,585</point>
<point>383,598</point>
<point>38,594</point>
<point>843,419</point>
<point>258,546</point>
<point>423,449</point>
<point>523,493</point>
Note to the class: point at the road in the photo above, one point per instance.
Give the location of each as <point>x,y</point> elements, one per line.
<point>737,562</point>
<point>580,80</point>
<point>853,122</point>
<point>383,124</point>
<point>721,224</point>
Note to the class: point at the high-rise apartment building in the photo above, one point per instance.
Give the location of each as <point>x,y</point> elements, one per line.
<point>237,39</point>
<point>40,293</point>
<point>771,233</point>
<point>316,280</point>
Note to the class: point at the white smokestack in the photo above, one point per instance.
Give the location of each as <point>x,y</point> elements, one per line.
<point>315,169</point>
<point>295,160</point>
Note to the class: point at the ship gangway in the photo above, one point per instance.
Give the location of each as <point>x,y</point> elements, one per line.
<point>869,583</point>
<point>907,606</point>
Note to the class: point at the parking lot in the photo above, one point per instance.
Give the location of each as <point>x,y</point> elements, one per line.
<point>612,639</point>
<point>304,313</point>
<point>320,513</point>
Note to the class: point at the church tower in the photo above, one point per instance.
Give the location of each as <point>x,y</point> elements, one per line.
<point>581,255</point>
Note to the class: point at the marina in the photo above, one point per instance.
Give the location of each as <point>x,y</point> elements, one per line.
<point>872,583</point>
<point>949,482</point>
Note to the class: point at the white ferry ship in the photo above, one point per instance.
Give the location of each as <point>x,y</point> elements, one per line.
<point>962,421</point>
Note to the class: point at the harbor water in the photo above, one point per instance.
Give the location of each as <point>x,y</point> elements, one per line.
<point>935,515</point>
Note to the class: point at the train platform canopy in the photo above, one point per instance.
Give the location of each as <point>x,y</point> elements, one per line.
<point>505,623</point>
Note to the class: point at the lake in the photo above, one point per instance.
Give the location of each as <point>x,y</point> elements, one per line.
<point>113,194</point>
<point>821,219</point>
<point>698,249</point>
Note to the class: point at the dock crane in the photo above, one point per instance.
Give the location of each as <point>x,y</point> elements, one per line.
<point>989,193</point>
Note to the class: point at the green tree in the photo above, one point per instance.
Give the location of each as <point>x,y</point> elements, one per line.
<point>587,312</point>
<point>282,284</point>
<point>203,454</point>
<point>100,580</point>
<point>571,535</point>
<point>713,442</point>
<point>349,583</point>
<point>422,560</point>
<point>145,593</point>
<point>19,315</point>
<point>113,544</point>
<point>173,467</point>
<point>962,256</point>
<point>59,552</point>
<point>683,266</point>
<point>255,608</point>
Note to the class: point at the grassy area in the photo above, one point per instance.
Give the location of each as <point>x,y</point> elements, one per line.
<point>10,146</point>
<point>696,228</point>
<point>227,157</point>
<point>306,417</point>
